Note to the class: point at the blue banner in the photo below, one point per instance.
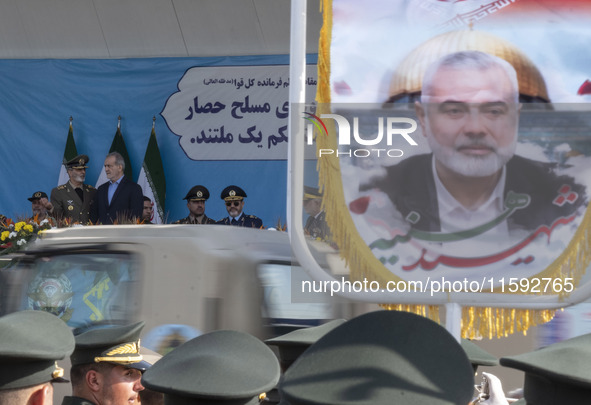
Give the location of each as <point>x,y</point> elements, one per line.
<point>39,96</point>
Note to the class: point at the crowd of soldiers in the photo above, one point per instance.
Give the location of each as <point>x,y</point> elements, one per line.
<point>120,200</point>
<point>381,357</point>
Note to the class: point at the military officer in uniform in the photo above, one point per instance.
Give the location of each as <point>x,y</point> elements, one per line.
<point>196,198</point>
<point>107,366</point>
<point>31,343</point>
<point>73,200</point>
<point>41,207</point>
<point>223,367</point>
<point>234,198</point>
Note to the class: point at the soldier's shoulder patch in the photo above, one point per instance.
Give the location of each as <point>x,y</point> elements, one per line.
<point>62,187</point>
<point>88,186</point>
<point>252,216</point>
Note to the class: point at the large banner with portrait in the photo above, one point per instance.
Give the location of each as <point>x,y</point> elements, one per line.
<point>454,142</point>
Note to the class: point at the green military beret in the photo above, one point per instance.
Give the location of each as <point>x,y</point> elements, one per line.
<point>293,344</point>
<point>31,342</point>
<point>477,355</point>
<point>79,162</point>
<point>382,357</point>
<point>117,345</point>
<point>556,374</point>
<point>221,367</point>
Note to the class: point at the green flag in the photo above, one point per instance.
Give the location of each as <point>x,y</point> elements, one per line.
<point>70,153</point>
<point>118,145</point>
<point>152,179</point>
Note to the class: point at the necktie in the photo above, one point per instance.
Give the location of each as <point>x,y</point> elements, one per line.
<point>234,222</point>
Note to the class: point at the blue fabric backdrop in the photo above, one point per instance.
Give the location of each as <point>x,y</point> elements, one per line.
<point>39,96</point>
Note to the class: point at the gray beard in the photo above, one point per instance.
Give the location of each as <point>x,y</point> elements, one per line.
<point>471,166</point>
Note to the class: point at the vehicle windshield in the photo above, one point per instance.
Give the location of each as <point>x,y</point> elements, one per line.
<point>284,303</point>
<point>83,289</point>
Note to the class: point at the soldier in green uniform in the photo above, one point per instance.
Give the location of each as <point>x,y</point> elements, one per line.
<point>73,201</point>
<point>106,366</point>
<point>223,367</point>
<point>31,343</point>
<point>234,197</point>
<point>196,198</point>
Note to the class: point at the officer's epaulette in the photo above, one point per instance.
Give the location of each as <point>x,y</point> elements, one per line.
<point>252,216</point>
<point>89,186</point>
<point>62,187</point>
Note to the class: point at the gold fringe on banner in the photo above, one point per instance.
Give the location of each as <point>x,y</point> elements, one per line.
<point>476,321</point>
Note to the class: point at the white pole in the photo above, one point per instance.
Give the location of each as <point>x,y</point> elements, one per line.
<point>297,98</point>
<point>453,319</point>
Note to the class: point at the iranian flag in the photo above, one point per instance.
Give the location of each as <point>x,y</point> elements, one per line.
<point>69,153</point>
<point>118,145</point>
<point>152,179</point>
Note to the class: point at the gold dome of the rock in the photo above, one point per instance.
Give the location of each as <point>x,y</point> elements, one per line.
<point>407,78</point>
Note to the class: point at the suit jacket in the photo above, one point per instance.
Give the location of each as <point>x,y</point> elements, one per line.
<point>127,202</point>
<point>67,203</point>
<point>248,221</point>
<point>411,187</point>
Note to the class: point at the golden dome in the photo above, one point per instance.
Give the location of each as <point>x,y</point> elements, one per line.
<point>409,74</point>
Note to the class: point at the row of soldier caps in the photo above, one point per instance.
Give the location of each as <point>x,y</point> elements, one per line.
<point>201,193</point>
<point>382,357</point>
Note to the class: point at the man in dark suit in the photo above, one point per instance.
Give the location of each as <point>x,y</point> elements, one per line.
<point>234,198</point>
<point>469,113</point>
<point>119,199</point>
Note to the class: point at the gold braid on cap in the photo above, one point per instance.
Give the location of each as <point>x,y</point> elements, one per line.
<point>128,348</point>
